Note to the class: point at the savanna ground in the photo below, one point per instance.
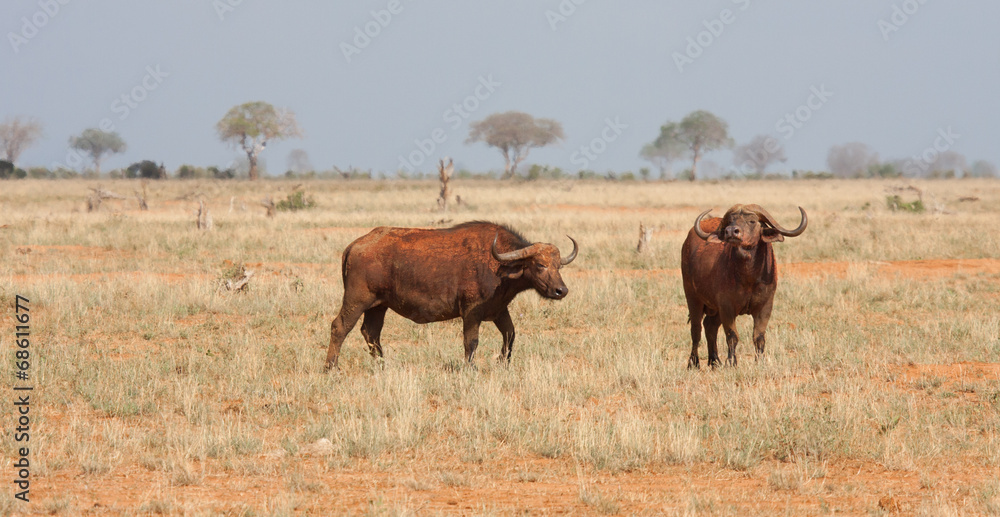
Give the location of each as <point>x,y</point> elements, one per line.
<point>157,391</point>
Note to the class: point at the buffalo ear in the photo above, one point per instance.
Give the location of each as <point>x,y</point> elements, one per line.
<point>512,273</point>
<point>714,238</point>
<point>771,235</point>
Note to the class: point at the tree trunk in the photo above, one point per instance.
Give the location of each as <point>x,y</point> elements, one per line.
<point>694,164</point>
<point>252,158</point>
<point>519,156</point>
<point>513,168</point>
<point>508,172</point>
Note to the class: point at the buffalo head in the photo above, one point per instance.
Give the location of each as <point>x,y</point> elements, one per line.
<point>539,264</point>
<point>747,225</point>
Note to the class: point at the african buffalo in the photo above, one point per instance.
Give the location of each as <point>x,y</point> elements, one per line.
<point>472,270</point>
<point>728,269</point>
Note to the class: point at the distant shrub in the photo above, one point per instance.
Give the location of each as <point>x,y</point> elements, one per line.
<point>305,175</point>
<point>191,172</point>
<point>537,172</point>
<point>812,175</point>
<point>40,173</point>
<point>146,169</point>
<point>896,203</point>
<point>295,201</point>
<point>222,174</point>
<point>941,174</point>
<point>884,170</point>
<point>9,171</point>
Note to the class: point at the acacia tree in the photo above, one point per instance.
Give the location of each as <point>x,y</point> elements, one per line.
<point>851,160</point>
<point>666,149</point>
<point>514,133</point>
<point>759,153</point>
<point>698,133</point>
<point>97,144</point>
<point>251,125</point>
<point>17,134</point>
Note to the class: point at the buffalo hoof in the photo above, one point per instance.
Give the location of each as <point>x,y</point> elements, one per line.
<point>693,363</point>
<point>714,363</point>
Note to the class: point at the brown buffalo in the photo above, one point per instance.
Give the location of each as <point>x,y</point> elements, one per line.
<point>471,271</point>
<point>728,269</point>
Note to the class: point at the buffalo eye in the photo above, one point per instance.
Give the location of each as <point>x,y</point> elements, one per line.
<point>540,267</point>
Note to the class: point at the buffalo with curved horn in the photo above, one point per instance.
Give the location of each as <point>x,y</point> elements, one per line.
<point>470,271</point>
<point>728,269</point>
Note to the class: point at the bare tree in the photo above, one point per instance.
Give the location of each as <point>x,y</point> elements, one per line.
<point>251,125</point>
<point>444,173</point>
<point>756,155</point>
<point>851,160</point>
<point>17,134</point>
<point>98,195</point>
<point>514,134</point>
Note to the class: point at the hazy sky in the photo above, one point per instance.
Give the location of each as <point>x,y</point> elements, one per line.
<point>854,70</point>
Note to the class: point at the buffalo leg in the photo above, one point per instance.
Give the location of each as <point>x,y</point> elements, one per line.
<point>350,313</point>
<point>732,338</point>
<point>506,327</point>
<point>470,334</point>
<point>712,323</point>
<point>694,314</point>
<point>760,329</point>
<point>371,329</point>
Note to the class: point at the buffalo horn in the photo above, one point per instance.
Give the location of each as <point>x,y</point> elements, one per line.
<point>774,224</point>
<point>510,256</point>
<point>571,256</point>
<point>697,225</point>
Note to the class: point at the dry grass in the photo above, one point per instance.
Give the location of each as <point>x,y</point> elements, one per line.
<point>152,373</point>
